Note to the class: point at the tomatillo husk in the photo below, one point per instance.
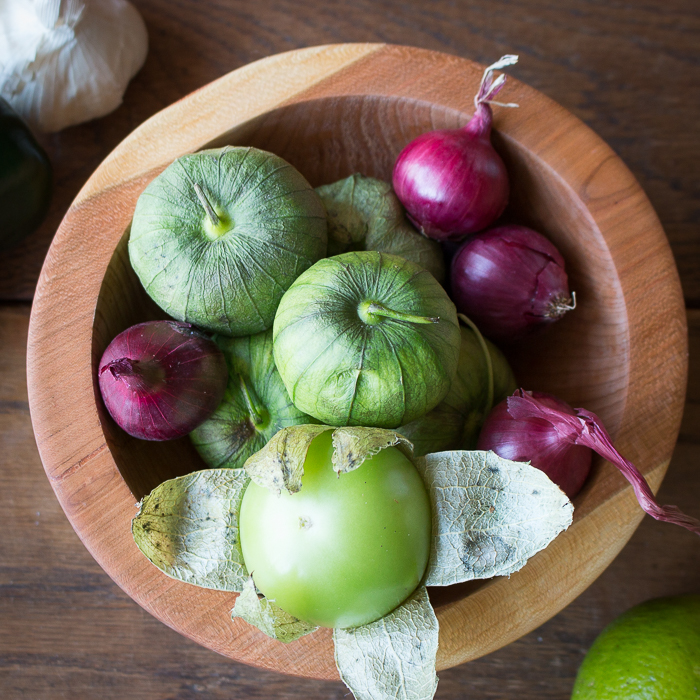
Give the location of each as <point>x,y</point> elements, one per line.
<point>220,235</point>
<point>366,338</point>
<point>455,423</point>
<point>364,213</point>
<point>255,406</point>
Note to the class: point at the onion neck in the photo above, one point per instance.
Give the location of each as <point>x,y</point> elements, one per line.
<point>479,126</point>
<point>372,313</point>
<point>144,376</point>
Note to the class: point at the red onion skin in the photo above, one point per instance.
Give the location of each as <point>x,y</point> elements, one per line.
<point>453,182</point>
<point>581,428</point>
<point>537,441</point>
<point>511,281</point>
<point>161,379</point>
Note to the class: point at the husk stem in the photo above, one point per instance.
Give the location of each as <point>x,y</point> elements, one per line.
<point>254,411</point>
<point>490,390</point>
<point>215,221</point>
<point>375,309</point>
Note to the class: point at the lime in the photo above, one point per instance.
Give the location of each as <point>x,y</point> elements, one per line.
<point>651,652</point>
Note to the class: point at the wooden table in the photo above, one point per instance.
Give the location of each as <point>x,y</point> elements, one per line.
<point>628,69</point>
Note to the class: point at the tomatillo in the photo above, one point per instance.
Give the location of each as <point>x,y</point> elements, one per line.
<point>367,339</point>
<point>346,549</point>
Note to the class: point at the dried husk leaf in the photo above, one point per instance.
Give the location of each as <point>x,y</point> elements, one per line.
<point>490,515</point>
<point>393,657</point>
<point>268,617</point>
<point>353,445</point>
<point>280,464</point>
<point>188,528</point>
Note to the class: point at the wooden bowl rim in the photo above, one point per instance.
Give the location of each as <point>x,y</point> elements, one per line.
<point>81,468</point>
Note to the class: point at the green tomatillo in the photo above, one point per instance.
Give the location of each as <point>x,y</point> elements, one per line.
<point>256,404</point>
<point>481,382</point>
<point>366,338</point>
<point>345,549</point>
<point>220,235</point>
<point>365,214</point>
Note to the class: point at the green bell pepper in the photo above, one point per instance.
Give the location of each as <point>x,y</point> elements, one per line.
<point>25,179</point>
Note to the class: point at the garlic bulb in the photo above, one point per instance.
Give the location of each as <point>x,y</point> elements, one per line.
<point>63,62</point>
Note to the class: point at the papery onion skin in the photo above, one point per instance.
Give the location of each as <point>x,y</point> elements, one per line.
<point>161,379</point>
<point>538,442</point>
<point>452,181</point>
<point>583,428</point>
<point>510,280</point>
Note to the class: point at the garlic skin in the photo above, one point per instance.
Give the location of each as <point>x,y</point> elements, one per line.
<point>63,62</point>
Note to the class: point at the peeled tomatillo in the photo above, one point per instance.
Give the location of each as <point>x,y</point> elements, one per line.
<point>346,549</point>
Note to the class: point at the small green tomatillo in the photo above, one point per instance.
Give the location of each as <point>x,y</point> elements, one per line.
<point>256,404</point>
<point>364,213</point>
<point>366,338</point>
<point>455,423</point>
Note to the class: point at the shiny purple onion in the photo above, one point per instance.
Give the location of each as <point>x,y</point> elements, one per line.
<point>452,182</point>
<point>577,428</point>
<point>161,379</point>
<point>510,280</point>
<point>537,441</point>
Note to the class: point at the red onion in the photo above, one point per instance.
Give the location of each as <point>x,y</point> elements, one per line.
<point>537,441</point>
<point>510,280</point>
<point>161,379</point>
<point>452,182</point>
<point>581,428</point>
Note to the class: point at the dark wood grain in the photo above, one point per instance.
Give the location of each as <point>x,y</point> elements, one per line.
<point>630,70</point>
<point>69,632</point>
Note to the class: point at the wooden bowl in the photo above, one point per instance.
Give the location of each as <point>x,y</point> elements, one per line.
<point>332,111</point>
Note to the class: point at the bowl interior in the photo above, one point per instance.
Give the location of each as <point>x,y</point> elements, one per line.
<point>582,358</point>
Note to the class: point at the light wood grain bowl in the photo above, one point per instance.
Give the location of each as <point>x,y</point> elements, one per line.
<point>332,111</point>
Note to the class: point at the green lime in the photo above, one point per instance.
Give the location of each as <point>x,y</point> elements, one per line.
<point>652,652</point>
